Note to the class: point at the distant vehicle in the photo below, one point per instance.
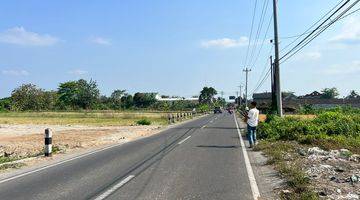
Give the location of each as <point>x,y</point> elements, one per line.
<point>217,110</point>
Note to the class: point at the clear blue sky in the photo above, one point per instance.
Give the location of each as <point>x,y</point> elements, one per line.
<point>171,47</point>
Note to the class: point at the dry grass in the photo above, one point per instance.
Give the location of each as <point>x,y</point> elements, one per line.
<point>82,118</point>
<point>302,116</point>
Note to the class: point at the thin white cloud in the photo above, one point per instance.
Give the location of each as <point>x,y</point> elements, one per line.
<point>225,42</point>
<point>20,36</point>
<point>345,69</point>
<point>100,40</point>
<point>350,32</point>
<point>12,72</point>
<point>310,55</point>
<point>78,72</point>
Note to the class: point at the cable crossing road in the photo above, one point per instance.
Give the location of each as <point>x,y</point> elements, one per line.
<point>200,159</point>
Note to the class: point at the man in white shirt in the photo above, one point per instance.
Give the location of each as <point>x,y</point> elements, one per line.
<point>252,122</point>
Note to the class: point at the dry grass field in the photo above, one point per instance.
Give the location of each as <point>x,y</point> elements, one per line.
<point>100,118</point>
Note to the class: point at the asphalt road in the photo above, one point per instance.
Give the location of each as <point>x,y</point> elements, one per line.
<point>201,159</point>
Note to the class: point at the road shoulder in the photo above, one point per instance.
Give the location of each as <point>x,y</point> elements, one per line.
<point>267,178</point>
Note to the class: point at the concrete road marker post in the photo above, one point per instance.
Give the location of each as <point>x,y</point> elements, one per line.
<point>48,142</point>
<point>173,118</point>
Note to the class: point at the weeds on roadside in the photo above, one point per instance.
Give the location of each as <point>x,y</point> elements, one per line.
<point>143,122</point>
<point>283,156</point>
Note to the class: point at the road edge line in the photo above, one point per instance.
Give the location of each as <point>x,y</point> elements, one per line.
<point>253,184</point>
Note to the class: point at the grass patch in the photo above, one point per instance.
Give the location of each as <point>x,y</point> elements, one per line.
<point>143,122</point>
<point>6,159</point>
<point>11,165</point>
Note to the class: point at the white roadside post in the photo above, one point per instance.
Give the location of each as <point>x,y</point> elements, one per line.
<point>48,142</point>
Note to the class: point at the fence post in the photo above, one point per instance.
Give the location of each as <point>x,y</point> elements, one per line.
<point>173,118</point>
<point>48,142</point>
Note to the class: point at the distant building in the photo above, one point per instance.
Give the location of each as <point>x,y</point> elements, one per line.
<point>175,98</point>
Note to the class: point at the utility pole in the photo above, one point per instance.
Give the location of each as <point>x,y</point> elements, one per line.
<point>246,70</point>
<point>273,95</point>
<point>240,98</point>
<point>276,63</point>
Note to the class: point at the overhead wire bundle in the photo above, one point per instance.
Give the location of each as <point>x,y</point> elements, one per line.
<point>338,12</point>
<point>331,18</point>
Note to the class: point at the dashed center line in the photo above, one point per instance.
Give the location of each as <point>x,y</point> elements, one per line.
<point>182,141</point>
<point>114,188</point>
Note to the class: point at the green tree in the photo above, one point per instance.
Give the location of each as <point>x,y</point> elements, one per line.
<point>115,99</point>
<point>5,103</point>
<point>207,95</point>
<point>353,95</point>
<point>127,101</point>
<point>68,92</point>
<point>330,93</point>
<point>144,100</point>
<point>88,95</point>
<point>28,97</point>
<point>220,102</point>
<point>78,94</point>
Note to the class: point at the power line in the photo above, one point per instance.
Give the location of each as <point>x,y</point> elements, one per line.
<point>251,32</point>
<point>259,29</point>
<point>316,29</point>
<point>307,32</point>
<point>309,29</point>
<point>263,42</point>
<point>262,80</point>
<point>311,37</point>
<point>264,69</point>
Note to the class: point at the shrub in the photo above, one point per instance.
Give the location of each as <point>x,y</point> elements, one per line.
<point>332,129</point>
<point>143,122</point>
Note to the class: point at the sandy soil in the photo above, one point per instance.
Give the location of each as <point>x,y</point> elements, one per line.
<point>28,140</point>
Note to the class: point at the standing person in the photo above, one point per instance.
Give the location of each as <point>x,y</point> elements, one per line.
<point>252,122</point>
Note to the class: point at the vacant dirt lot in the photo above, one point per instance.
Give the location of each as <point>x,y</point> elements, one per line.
<point>18,141</point>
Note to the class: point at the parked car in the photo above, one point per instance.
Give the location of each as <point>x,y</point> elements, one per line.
<point>217,110</point>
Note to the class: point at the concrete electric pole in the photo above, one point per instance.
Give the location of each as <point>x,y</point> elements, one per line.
<point>276,63</point>
<point>240,96</point>
<point>246,85</point>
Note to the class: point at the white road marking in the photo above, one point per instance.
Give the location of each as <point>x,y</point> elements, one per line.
<point>182,141</point>
<point>114,188</point>
<point>253,184</point>
<point>55,164</point>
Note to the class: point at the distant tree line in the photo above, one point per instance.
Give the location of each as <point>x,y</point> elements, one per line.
<point>85,95</point>
<point>331,93</point>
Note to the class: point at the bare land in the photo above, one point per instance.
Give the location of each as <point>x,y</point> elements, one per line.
<point>22,134</point>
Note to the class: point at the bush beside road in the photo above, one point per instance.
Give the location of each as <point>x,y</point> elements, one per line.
<point>317,155</point>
